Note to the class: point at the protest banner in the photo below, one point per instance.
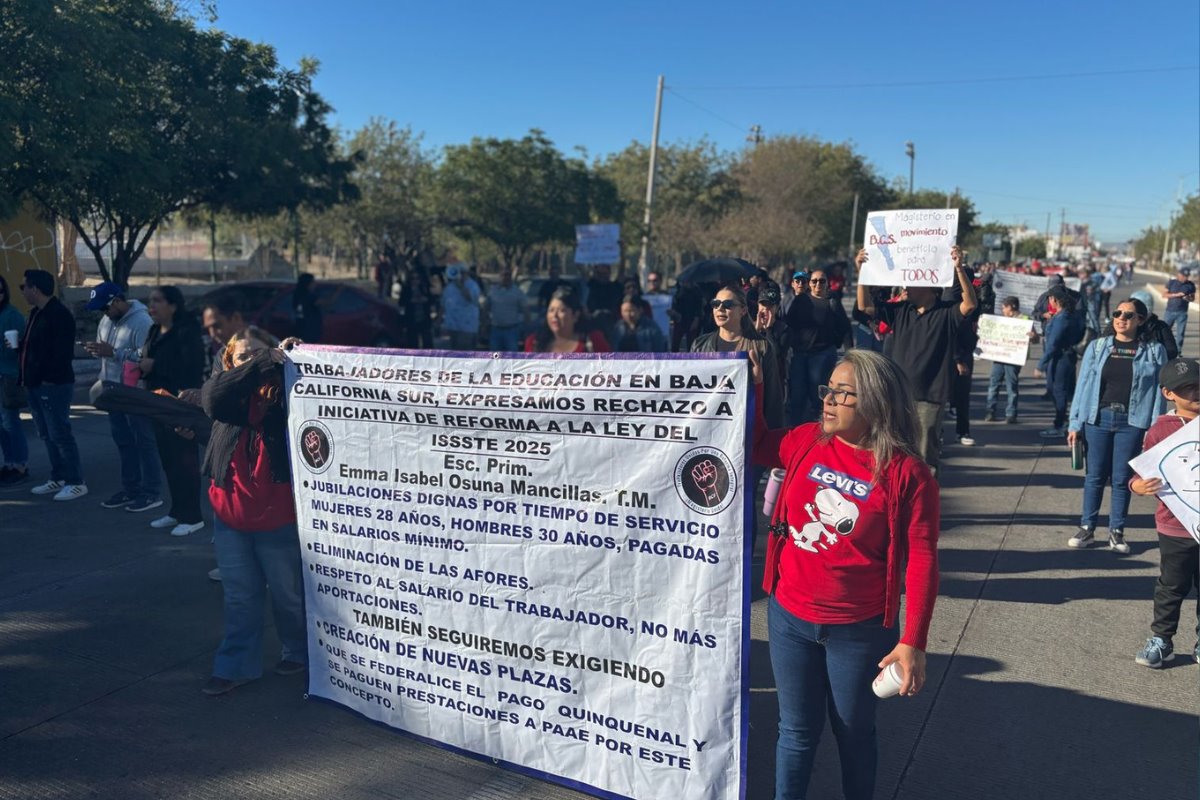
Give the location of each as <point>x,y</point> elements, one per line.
<point>910,248</point>
<point>1027,289</point>
<point>1176,462</point>
<point>1004,340</point>
<point>597,244</point>
<point>533,559</point>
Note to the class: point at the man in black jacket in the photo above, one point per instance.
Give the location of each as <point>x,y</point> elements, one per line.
<point>817,326</point>
<point>45,362</point>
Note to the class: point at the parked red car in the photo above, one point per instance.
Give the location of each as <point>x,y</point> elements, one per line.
<point>350,315</point>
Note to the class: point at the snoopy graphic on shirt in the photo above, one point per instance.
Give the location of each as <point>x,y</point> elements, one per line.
<point>831,513</point>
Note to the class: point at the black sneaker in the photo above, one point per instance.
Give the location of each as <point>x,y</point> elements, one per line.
<point>1085,537</point>
<point>118,500</point>
<point>1010,420</point>
<point>10,476</point>
<point>1116,542</point>
<point>218,686</point>
<point>989,417</point>
<point>290,668</point>
<point>143,503</point>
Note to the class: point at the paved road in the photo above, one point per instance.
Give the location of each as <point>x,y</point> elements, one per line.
<point>107,630</point>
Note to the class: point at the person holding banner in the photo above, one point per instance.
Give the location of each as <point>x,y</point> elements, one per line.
<point>565,331</point>
<point>856,520</point>
<point>735,333</point>
<point>1115,402</point>
<point>925,331</point>
<point>254,525</point>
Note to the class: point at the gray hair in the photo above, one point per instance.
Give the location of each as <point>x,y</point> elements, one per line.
<point>886,403</point>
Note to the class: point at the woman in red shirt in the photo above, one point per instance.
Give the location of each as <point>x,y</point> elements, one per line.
<point>254,513</point>
<point>565,330</point>
<point>856,509</point>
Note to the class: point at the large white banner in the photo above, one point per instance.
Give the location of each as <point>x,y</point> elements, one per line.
<point>533,559</point>
<point>597,244</point>
<point>1027,289</point>
<point>1004,340</point>
<point>910,248</point>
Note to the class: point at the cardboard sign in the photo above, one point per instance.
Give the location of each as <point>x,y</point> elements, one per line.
<point>910,248</point>
<point>1004,340</point>
<point>597,244</point>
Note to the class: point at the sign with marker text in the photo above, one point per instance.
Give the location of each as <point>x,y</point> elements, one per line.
<point>597,244</point>
<point>1176,462</point>
<point>1028,289</point>
<point>533,559</point>
<point>910,248</point>
<point>1004,340</point>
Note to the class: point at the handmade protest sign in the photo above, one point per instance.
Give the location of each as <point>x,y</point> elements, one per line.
<point>597,244</point>
<point>1176,462</point>
<point>910,248</point>
<point>534,559</point>
<point>1004,340</point>
<point>1026,288</point>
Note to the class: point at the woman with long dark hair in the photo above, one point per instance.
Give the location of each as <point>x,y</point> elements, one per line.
<point>254,513</point>
<point>566,329</point>
<point>14,447</point>
<point>174,361</point>
<point>1116,400</point>
<point>856,523</point>
<point>736,333</point>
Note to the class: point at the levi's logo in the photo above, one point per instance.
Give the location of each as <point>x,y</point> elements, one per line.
<point>844,483</point>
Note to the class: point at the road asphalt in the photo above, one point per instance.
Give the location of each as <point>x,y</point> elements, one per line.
<point>108,628</point>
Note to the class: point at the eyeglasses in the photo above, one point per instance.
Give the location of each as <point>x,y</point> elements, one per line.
<point>818,280</point>
<point>839,395</point>
<point>724,304</point>
<point>1124,314</point>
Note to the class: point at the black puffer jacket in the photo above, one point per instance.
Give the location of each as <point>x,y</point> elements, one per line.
<point>226,399</point>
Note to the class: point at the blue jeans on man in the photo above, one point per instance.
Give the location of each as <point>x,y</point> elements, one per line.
<point>50,406</point>
<point>1061,375</point>
<point>14,448</point>
<point>1009,374</point>
<point>505,338</point>
<point>1111,443</point>
<point>1177,320</point>
<point>807,372</point>
<point>249,563</point>
<point>820,670</point>
<point>141,470</point>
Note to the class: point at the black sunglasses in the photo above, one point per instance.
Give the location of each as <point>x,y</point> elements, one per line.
<point>725,304</point>
<point>818,280</point>
<point>1124,314</point>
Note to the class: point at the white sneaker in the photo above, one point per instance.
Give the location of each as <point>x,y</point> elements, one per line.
<point>184,528</point>
<point>71,491</point>
<point>49,487</point>
<point>214,574</point>
<point>164,522</point>
<point>966,441</point>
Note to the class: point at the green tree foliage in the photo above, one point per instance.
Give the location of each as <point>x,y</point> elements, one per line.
<point>518,193</point>
<point>1033,247</point>
<point>1187,220</point>
<point>125,113</point>
<point>1149,244</point>
<point>797,198</point>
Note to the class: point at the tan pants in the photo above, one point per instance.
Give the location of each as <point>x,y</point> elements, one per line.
<point>929,437</point>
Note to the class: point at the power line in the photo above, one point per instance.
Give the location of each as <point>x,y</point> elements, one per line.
<point>944,81</point>
<point>708,111</point>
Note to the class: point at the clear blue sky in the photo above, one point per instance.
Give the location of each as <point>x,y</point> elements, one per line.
<point>1110,149</point>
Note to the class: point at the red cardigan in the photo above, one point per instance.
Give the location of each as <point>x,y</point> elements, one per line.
<point>912,547</point>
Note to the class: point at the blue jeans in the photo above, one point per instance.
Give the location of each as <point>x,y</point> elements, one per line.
<point>864,339</point>
<point>50,405</point>
<point>141,470</point>
<point>505,339</point>
<point>1111,442</point>
<point>822,669</point>
<point>1010,374</point>
<point>1178,322</point>
<point>806,373</point>
<point>13,446</point>
<point>249,563</point>
<point>1061,374</point>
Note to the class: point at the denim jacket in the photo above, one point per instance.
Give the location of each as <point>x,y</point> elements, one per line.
<point>1146,402</point>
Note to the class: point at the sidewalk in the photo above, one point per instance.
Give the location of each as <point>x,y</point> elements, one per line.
<point>107,630</point>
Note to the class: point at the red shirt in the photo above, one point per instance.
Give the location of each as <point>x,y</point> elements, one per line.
<point>593,342</point>
<point>1164,521</point>
<point>849,536</point>
<point>250,501</point>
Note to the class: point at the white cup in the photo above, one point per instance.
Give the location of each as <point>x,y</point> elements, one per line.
<point>771,494</point>
<point>887,682</point>
<point>11,338</point>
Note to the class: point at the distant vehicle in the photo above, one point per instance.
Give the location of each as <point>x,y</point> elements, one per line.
<point>350,316</point>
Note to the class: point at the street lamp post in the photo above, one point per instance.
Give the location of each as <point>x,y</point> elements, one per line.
<point>911,152</point>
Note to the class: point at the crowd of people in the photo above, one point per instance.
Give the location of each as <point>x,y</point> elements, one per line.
<point>863,395</point>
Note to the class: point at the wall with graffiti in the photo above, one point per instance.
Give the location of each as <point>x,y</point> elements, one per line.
<point>26,242</point>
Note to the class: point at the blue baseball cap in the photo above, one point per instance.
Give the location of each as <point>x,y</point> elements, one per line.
<point>103,295</point>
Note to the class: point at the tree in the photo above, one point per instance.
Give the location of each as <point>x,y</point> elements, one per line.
<point>1033,247</point>
<point>1149,244</point>
<point>797,198</point>
<point>1187,221</point>
<point>126,113</point>
<point>515,193</point>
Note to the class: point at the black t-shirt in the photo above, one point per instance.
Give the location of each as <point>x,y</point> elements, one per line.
<point>1116,377</point>
<point>923,345</point>
<point>816,324</point>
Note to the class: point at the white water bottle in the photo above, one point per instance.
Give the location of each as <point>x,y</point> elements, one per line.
<point>774,483</point>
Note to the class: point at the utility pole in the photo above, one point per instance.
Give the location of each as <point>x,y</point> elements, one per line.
<point>644,260</point>
<point>755,136</point>
<point>853,225</point>
<point>1062,232</point>
<point>911,151</point>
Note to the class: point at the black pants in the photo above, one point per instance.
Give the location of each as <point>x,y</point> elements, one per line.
<point>1179,572</point>
<point>961,398</point>
<point>181,464</point>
